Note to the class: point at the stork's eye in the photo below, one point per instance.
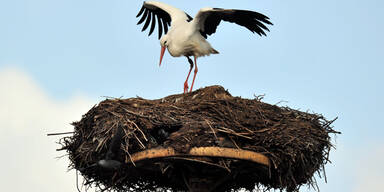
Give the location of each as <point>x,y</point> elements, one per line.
<point>165,42</point>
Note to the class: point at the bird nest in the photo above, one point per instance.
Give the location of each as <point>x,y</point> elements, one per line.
<point>206,140</point>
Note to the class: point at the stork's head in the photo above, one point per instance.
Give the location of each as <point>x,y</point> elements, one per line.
<point>164,44</point>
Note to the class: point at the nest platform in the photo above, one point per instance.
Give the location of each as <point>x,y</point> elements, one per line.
<point>204,141</point>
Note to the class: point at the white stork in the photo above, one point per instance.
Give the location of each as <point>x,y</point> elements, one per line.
<point>187,36</point>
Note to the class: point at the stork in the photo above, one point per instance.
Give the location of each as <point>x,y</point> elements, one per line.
<point>187,36</point>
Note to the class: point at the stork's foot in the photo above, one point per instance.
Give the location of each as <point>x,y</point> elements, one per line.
<point>186,87</point>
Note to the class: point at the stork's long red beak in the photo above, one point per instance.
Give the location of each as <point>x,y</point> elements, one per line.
<point>162,54</point>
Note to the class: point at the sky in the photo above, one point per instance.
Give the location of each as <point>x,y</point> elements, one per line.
<point>59,58</point>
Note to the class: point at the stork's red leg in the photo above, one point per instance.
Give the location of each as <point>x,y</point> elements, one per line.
<point>189,73</point>
<point>194,75</point>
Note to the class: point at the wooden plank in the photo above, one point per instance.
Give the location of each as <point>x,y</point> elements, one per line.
<point>201,152</point>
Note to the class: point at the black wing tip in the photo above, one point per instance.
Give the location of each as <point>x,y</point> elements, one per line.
<point>266,20</point>
<point>153,24</point>
<point>259,20</point>
<point>141,11</point>
<point>256,15</point>
<point>148,14</point>
<point>145,13</point>
<point>252,20</point>
<point>189,17</point>
<point>261,31</point>
<point>147,21</point>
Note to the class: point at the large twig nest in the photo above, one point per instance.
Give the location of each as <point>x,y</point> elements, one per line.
<point>206,139</point>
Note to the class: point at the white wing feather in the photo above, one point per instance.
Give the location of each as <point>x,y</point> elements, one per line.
<point>176,14</point>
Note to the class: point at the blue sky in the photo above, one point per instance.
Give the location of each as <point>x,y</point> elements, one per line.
<point>62,56</point>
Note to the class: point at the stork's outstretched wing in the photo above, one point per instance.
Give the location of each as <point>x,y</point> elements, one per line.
<point>207,20</point>
<point>166,15</point>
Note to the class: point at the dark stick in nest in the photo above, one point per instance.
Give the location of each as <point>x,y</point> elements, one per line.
<point>296,143</point>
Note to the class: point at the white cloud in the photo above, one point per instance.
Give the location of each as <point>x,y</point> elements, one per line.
<point>27,114</point>
<point>355,168</point>
<point>369,169</point>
